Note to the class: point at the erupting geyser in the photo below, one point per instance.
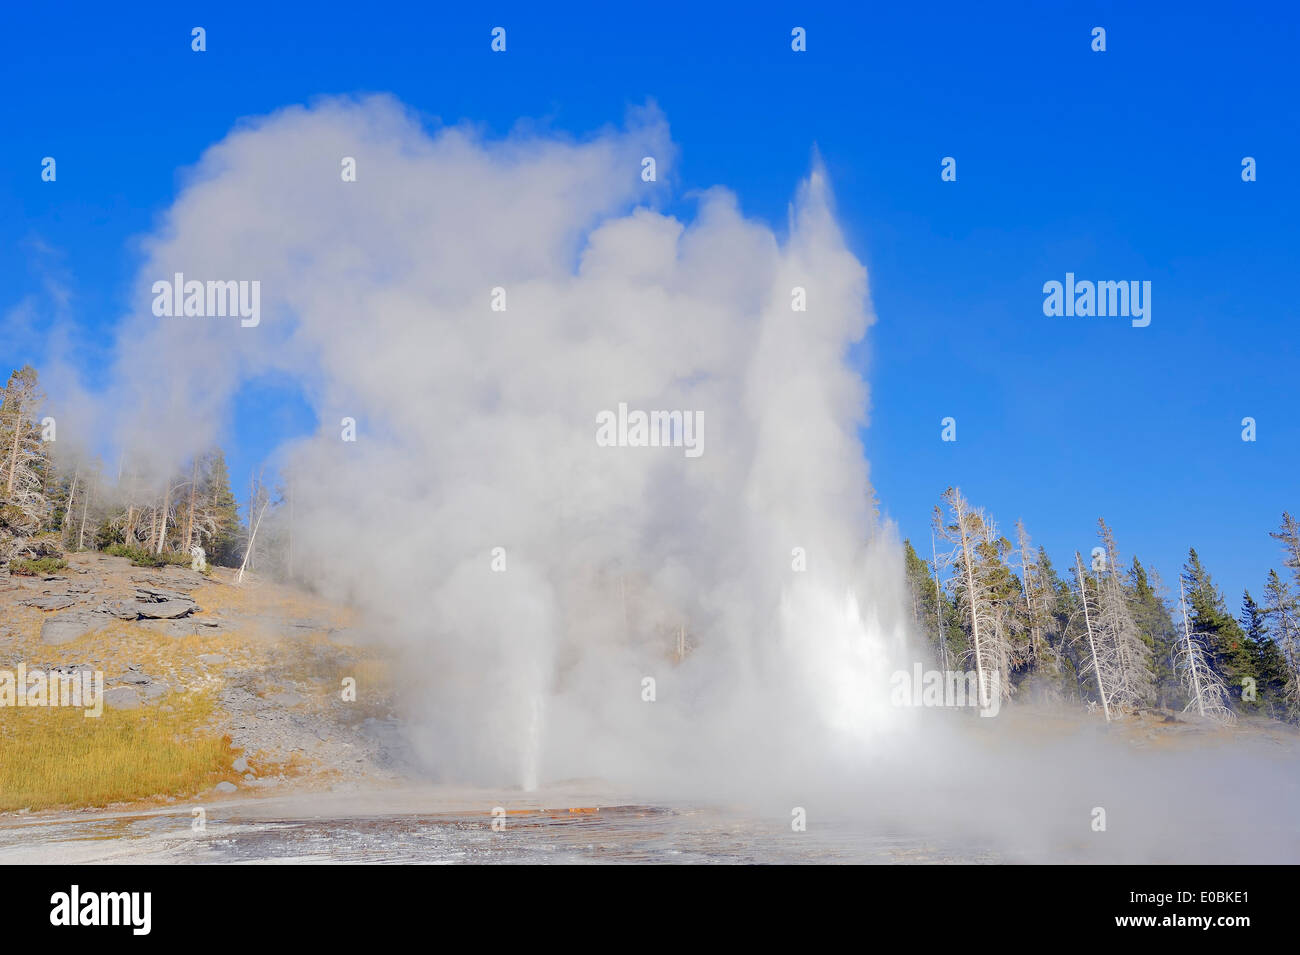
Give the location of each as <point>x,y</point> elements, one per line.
<point>477,306</point>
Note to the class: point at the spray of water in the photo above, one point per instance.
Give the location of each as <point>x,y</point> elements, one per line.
<point>750,583</point>
<point>712,625</point>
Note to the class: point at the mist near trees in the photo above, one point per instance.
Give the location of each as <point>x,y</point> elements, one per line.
<point>476,437</point>
<point>723,625</point>
<point>1104,634</point>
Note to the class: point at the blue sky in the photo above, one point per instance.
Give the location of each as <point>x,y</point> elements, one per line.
<point>1115,165</point>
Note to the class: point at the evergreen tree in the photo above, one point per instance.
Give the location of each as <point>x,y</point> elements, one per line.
<point>1282,612</point>
<point>1155,621</point>
<point>226,545</point>
<point>1206,693</point>
<point>1267,661</point>
<point>1289,535</point>
<point>1063,604</point>
<point>1132,648</point>
<point>987,593</point>
<point>24,471</point>
<point>934,613</point>
<point>1225,643</point>
<point>1041,622</point>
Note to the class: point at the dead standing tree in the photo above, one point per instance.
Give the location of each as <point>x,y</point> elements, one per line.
<point>1205,690</point>
<point>1100,655</point>
<point>991,652</point>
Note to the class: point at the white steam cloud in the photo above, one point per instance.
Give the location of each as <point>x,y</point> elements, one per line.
<point>477,430</point>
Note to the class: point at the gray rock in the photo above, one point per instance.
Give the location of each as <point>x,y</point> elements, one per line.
<point>240,765</point>
<point>148,610</point>
<point>176,578</point>
<point>67,627</point>
<point>50,602</point>
<point>158,595</point>
<point>122,609</point>
<point>286,698</point>
<point>134,676</point>
<point>212,659</point>
<point>154,690</point>
<point>225,787</point>
<point>70,669</point>
<point>171,628</point>
<point>165,609</point>
<point>122,698</point>
<point>249,778</point>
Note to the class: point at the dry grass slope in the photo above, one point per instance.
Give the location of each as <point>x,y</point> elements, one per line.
<point>56,756</point>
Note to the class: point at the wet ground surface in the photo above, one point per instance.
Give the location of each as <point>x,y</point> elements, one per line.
<point>612,834</point>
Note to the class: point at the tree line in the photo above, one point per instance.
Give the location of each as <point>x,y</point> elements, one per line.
<point>56,498</point>
<point>1102,632</point>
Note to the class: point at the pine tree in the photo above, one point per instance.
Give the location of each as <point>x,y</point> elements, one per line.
<point>982,585</point>
<point>1100,662</point>
<point>1205,689</point>
<point>933,612</point>
<point>226,545</point>
<point>1136,681</point>
<point>1266,660</point>
<point>1067,622</point>
<point>1282,612</point>
<point>1155,622</point>
<point>24,472</point>
<point>1040,605</point>
<point>1225,643</point>
<point>1289,535</point>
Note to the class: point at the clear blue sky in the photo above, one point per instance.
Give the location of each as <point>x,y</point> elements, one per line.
<point>1123,164</point>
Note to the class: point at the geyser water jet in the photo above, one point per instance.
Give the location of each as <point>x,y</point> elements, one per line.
<point>475,436</point>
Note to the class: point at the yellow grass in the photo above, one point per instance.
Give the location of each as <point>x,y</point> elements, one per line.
<point>56,756</point>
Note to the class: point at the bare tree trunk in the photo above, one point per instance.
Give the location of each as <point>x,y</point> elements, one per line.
<point>162,529</point>
<point>189,524</point>
<point>72,497</point>
<point>85,509</point>
<point>938,607</point>
<point>13,454</point>
<point>248,553</point>
<point>1187,635</point>
<point>972,598</point>
<point>1092,643</point>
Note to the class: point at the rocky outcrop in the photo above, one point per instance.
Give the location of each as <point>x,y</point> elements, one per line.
<point>67,627</point>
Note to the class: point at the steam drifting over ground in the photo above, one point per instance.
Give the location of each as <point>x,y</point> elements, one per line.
<point>476,430</point>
